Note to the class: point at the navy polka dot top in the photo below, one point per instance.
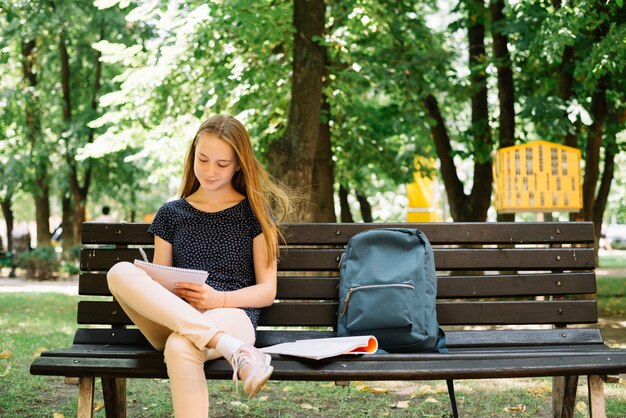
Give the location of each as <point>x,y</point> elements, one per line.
<point>218,242</point>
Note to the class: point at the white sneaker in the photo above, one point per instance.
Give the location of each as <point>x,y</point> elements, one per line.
<point>253,367</point>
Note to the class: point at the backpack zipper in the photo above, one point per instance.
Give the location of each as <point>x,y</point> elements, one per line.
<point>370,286</point>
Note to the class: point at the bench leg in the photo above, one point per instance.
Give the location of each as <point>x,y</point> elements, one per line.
<point>564,396</point>
<point>595,385</point>
<point>85,397</point>
<point>114,393</point>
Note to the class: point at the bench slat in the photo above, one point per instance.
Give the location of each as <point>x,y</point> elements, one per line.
<point>339,234</point>
<point>147,352</point>
<point>555,284</point>
<point>454,339</point>
<point>384,367</point>
<point>516,285</point>
<point>326,259</point>
<point>448,313</point>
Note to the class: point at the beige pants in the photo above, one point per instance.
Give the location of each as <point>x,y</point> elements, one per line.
<point>173,326</point>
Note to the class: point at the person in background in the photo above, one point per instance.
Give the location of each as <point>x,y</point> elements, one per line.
<point>605,240</point>
<point>225,222</point>
<point>105,216</point>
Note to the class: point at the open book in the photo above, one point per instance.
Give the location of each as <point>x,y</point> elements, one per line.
<point>167,276</point>
<point>319,348</point>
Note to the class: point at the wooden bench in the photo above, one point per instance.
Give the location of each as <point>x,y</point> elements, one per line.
<point>538,277</point>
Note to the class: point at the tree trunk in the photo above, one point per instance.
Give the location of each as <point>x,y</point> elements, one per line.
<point>566,82</point>
<point>346,213</point>
<point>506,87</point>
<point>69,216</point>
<point>565,79</point>
<point>480,195</point>
<point>449,175</point>
<point>293,155</point>
<point>42,208</point>
<point>603,191</point>
<point>9,220</point>
<point>366,208</point>
<point>7,212</point>
<point>475,206</point>
<point>79,200</point>
<point>67,222</point>
<point>80,192</point>
<point>462,207</point>
<point>65,79</point>
<point>599,111</point>
<point>323,172</point>
<point>40,187</point>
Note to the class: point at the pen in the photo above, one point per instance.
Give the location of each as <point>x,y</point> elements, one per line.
<point>143,255</point>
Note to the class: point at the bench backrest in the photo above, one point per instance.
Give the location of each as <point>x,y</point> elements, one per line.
<point>488,273</point>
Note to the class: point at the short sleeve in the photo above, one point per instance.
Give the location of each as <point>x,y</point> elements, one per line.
<point>254,226</point>
<point>255,229</point>
<point>163,224</point>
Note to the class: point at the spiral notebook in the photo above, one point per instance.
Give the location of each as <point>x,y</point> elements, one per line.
<point>167,276</point>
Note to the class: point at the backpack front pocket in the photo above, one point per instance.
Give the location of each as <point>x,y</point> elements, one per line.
<point>383,306</point>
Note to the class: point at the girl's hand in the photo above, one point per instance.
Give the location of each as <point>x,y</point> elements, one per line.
<point>200,296</point>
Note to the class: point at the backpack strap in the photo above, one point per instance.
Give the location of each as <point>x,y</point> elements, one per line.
<point>440,345</point>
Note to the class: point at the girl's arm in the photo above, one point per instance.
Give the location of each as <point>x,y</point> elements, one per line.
<point>163,253</point>
<point>258,295</point>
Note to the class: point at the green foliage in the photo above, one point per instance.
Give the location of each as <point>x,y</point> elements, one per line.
<point>231,57</point>
<point>382,60</point>
<point>70,261</point>
<point>69,267</point>
<point>167,65</point>
<point>41,263</point>
<point>540,34</point>
<point>5,259</point>
<point>45,126</point>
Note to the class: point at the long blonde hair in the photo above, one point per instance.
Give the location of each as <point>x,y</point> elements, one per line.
<point>267,197</point>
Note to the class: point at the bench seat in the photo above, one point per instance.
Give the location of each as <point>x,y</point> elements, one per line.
<point>554,353</point>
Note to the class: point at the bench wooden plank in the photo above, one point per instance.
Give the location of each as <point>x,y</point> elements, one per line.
<point>555,284</point>
<point>448,313</point>
<point>455,233</point>
<point>454,339</point>
<point>327,259</point>
<point>478,353</point>
<point>549,283</point>
<point>380,367</point>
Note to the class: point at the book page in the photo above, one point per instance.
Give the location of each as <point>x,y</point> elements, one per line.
<point>167,276</point>
<point>319,348</point>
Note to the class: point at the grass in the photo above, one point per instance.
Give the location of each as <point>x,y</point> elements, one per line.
<point>611,297</point>
<point>611,288</point>
<point>30,323</point>
<point>614,259</point>
<point>33,322</point>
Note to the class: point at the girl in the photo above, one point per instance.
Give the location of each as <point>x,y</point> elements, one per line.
<point>222,224</point>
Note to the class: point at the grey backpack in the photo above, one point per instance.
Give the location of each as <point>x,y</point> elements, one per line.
<point>387,288</point>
